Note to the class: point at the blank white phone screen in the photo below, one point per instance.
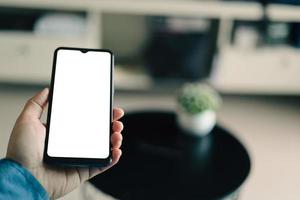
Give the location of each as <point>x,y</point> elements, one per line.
<point>80,113</point>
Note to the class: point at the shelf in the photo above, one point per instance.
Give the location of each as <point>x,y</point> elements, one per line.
<point>129,80</point>
<point>264,70</point>
<point>27,57</point>
<point>209,9</point>
<point>284,13</point>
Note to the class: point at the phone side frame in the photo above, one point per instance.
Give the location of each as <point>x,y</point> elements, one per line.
<point>72,161</point>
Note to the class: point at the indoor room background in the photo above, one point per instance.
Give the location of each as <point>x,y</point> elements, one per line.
<point>249,51</point>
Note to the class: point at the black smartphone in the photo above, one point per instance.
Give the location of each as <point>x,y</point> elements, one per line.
<point>79,120</point>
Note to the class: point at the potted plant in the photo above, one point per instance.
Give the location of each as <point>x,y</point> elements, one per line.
<point>197,106</point>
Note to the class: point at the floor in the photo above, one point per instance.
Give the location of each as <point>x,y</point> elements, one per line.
<point>269,128</point>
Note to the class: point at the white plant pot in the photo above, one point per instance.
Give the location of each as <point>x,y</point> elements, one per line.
<point>197,124</point>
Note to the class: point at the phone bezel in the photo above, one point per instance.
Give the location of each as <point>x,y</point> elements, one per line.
<point>75,161</point>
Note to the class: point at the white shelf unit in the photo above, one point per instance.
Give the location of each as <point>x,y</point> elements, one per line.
<point>210,9</point>
<point>26,57</point>
<point>36,67</point>
<point>283,13</point>
<point>263,71</point>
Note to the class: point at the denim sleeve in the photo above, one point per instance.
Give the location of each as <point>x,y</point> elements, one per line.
<point>18,183</point>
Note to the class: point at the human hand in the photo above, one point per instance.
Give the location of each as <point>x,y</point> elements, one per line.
<point>26,146</point>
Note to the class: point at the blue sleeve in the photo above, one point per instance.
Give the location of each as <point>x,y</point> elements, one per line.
<point>18,183</point>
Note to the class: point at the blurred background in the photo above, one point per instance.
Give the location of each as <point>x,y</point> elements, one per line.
<point>248,50</point>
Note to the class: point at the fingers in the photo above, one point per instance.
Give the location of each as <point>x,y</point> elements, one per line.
<point>116,140</point>
<point>34,106</point>
<point>116,154</point>
<point>117,126</point>
<point>117,113</point>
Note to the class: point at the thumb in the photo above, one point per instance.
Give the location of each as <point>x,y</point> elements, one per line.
<point>34,106</point>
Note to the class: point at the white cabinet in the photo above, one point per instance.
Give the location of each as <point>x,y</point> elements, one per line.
<point>264,70</point>
<point>26,57</point>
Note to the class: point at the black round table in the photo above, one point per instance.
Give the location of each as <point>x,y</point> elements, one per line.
<point>161,161</point>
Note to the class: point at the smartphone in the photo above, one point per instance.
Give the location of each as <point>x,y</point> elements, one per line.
<point>79,120</point>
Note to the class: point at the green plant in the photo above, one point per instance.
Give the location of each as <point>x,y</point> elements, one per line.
<point>198,97</point>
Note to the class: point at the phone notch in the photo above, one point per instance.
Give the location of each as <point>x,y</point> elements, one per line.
<point>84,50</point>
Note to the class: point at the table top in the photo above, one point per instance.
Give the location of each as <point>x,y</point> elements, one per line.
<point>160,161</point>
